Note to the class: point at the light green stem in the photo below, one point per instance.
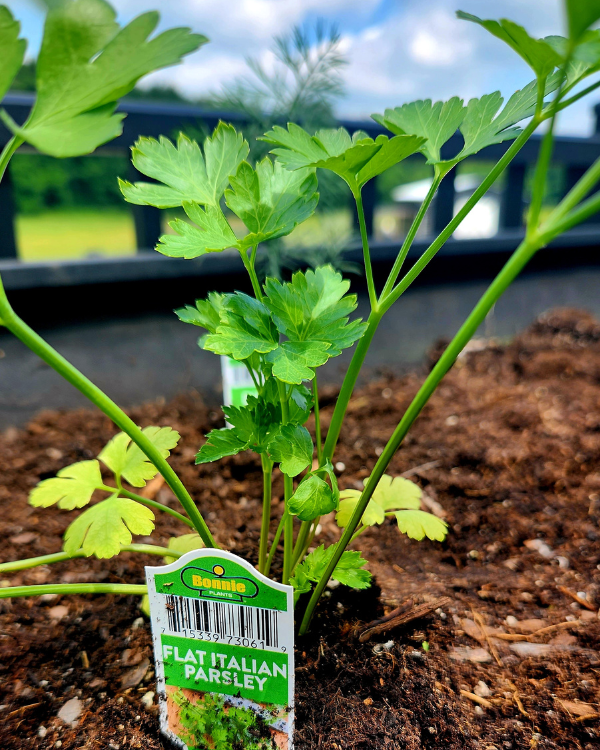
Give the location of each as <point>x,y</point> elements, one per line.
<point>301,543</point>
<point>315,390</point>
<point>386,302</point>
<point>506,276</point>
<point>412,232</point>
<point>267,470</point>
<point>150,504</point>
<point>275,543</point>
<point>288,489</point>
<point>7,153</point>
<point>449,230</point>
<point>350,378</point>
<point>123,589</point>
<point>366,252</point>
<point>40,347</point>
<point>249,266</point>
<point>56,557</point>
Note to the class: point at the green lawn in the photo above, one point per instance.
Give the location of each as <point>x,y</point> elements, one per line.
<point>75,234</point>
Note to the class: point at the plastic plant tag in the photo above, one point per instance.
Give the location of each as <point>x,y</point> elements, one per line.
<point>237,383</point>
<point>224,649</point>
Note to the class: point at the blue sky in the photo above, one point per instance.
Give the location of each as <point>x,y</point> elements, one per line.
<point>399,50</point>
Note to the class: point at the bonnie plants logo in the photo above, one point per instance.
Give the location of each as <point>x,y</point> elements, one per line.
<point>216,584</point>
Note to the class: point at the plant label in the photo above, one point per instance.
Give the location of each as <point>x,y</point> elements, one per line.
<point>224,649</point>
<point>237,383</point>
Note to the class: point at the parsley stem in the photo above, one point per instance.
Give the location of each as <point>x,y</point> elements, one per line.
<point>448,231</point>
<point>7,153</point>
<point>124,589</point>
<point>412,232</point>
<point>288,489</point>
<point>366,251</point>
<point>511,269</point>
<point>152,504</point>
<point>70,373</point>
<point>275,543</point>
<point>56,557</point>
<point>301,543</point>
<point>249,266</point>
<point>267,469</point>
<point>315,390</point>
<point>543,163</point>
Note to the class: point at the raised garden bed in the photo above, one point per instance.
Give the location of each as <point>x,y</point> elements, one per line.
<point>510,449</point>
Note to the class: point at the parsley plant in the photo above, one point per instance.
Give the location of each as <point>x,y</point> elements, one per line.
<point>286,330</point>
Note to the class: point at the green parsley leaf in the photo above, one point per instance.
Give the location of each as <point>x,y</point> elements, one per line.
<point>314,307</point>
<point>126,460</point>
<point>13,49</point>
<point>313,498</point>
<point>239,336</point>
<point>348,570</point>
<point>271,201</point>
<point>418,524</point>
<point>356,159</point>
<point>72,487</point>
<point>484,125</point>
<point>206,314</point>
<point>292,448</point>
<point>220,443</point>
<point>581,14</point>
<point>184,543</point>
<point>256,423</point>
<point>300,404</point>
<point>585,59</point>
<point>212,235</point>
<point>294,361</point>
<point>436,122</point>
<point>103,528</point>
<point>187,174</point>
<point>539,55</point>
<point>86,63</point>
<point>389,495</point>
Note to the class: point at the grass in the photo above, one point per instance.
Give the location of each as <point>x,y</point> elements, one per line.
<point>62,234</point>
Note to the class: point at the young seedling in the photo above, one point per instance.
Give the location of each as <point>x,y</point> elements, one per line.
<point>286,330</point>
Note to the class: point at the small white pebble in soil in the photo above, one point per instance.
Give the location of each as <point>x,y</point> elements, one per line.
<point>452,420</point>
<point>387,393</point>
<point>120,727</point>
<point>479,710</point>
<point>340,466</point>
<point>148,699</point>
<point>44,683</point>
<point>482,690</point>
<point>138,623</point>
<point>512,621</point>
<point>58,743</point>
<point>570,618</point>
<point>563,562</point>
<point>378,648</point>
<point>474,554</point>
<point>331,584</point>
<point>138,718</point>
<point>582,594</point>
<point>378,450</point>
<point>42,732</point>
<point>431,730</point>
<point>340,607</point>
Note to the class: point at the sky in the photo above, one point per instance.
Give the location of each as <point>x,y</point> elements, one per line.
<point>398,50</point>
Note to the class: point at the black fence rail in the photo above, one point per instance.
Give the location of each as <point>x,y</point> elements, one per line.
<point>573,154</point>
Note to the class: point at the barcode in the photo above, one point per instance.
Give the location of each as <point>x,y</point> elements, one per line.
<point>223,619</point>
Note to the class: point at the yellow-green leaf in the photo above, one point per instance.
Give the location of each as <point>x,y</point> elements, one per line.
<point>72,487</point>
<point>104,528</point>
<point>417,525</point>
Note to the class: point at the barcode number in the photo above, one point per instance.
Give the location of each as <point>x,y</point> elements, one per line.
<point>241,625</point>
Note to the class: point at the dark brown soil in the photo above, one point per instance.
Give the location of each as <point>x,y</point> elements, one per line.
<point>509,448</point>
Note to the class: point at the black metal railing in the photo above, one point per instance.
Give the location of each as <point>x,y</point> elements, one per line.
<point>574,154</point>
